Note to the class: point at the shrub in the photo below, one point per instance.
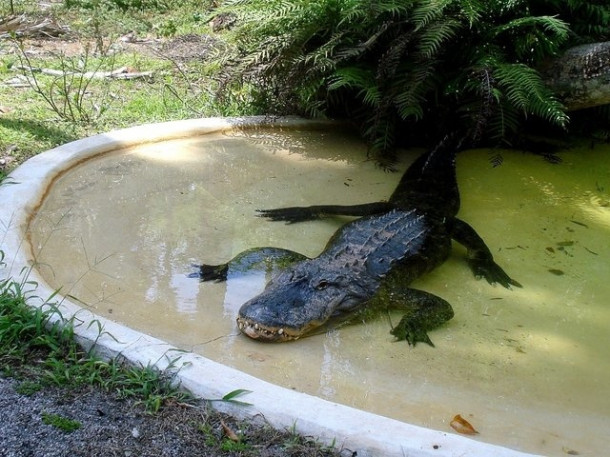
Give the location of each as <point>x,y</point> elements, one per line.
<point>409,69</point>
<point>123,5</point>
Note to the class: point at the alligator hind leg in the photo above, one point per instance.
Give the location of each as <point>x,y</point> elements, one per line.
<point>424,311</point>
<point>308,213</point>
<point>261,259</point>
<point>480,259</point>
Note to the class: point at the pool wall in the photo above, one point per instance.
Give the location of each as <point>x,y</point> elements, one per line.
<point>345,427</point>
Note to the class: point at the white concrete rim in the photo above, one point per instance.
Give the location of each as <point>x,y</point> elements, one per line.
<point>346,427</point>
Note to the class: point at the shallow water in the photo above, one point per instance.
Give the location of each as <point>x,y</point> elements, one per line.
<point>529,368</point>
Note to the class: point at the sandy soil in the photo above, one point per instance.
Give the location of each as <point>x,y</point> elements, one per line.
<point>109,426</point>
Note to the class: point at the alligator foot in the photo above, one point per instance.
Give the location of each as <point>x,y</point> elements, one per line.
<point>268,260</point>
<point>423,312</point>
<point>492,272</point>
<point>216,273</point>
<point>479,256</point>
<point>412,332</point>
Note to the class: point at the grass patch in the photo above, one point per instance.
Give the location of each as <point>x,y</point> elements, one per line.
<point>28,388</point>
<point>52,110</point>
<point>38,344</point>
<point>62,423</point>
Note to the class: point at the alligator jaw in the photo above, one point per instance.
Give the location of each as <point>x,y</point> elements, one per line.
<point>260,332</point>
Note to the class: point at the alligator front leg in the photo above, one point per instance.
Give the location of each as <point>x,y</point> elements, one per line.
<point>479,256</point>
<point>423,312</point>
<point>257,259</point>
<point>308,213</point>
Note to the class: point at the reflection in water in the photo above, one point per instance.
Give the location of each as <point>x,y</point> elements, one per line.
<point>530,367</point>
<point>185,292</point>
<point>241,287</point>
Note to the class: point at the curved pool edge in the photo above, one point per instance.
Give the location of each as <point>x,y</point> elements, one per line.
<point>346,427</point>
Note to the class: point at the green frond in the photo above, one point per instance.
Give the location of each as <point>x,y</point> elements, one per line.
<point>428,11</point>
<point>320,60</point>
<point>590,20</point>
<point>436,35</point>
<point>550,24</point>
<point>535,37</point>
<point>414,85</point>
<point>392,7</point>
<point>526,91</point>
<point>389,62</point>
<point>425,63</point>
<point>352,13</point>
<point>503,123</point>
<point>473,11</point>
<point>353,50</point>
<point>359,80</point>
<point>371,96</point>
<point>381,134</point>
<point>351,78</point>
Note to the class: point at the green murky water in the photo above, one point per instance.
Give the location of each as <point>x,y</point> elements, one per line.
<point>529,368</point>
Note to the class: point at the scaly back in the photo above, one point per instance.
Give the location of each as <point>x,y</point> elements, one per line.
<point>430,183</point>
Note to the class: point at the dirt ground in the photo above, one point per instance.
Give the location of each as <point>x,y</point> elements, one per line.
<point>104,425</point>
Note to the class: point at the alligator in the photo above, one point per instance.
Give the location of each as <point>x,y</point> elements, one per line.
<point>369,262</point>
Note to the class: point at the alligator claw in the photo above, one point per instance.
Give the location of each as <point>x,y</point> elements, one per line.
<point>411,331</point>
<point>492,272</point>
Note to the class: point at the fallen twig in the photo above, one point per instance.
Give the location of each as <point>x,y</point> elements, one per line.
<point>119,73</point>
<point>19,81</point>
<point>22,26</point>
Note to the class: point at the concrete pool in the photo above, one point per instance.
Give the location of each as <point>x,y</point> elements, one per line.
<point>114,222</point>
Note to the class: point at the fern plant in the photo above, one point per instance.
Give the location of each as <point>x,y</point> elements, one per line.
<point>407,69</point>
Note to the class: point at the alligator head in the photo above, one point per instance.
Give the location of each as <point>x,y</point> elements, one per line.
<point>299,300</point>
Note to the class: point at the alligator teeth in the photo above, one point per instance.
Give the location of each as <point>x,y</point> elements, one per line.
<point>256,331</point>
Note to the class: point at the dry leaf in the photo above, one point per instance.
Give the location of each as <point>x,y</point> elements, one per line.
<point>461,425</point>
<point>229,432</point>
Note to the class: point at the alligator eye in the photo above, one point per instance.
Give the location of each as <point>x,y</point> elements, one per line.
<point>323,284</point>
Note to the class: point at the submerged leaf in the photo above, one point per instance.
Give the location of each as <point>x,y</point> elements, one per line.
<point>461,425</point>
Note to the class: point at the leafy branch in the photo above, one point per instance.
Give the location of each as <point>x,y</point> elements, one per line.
<point>404,70</point>
<point>69,95</point>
